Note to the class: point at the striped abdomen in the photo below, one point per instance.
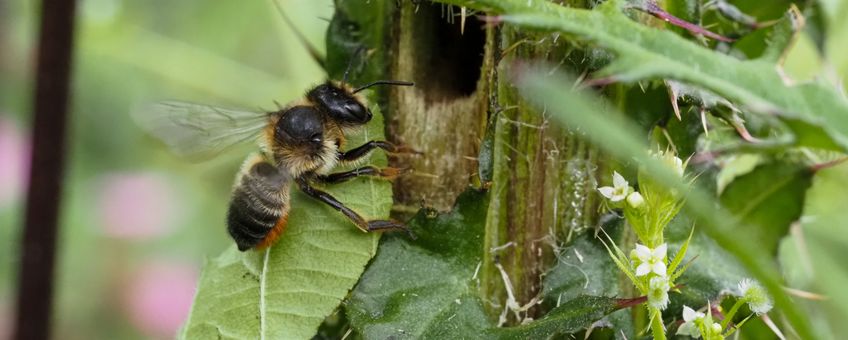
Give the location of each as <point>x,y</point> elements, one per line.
<point>259,207</point>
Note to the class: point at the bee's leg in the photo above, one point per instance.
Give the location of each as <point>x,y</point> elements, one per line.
<point>361,223</point>
<point>387,173</point>
<point>364,149</point>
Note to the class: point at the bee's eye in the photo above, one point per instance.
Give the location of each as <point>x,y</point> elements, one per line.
<point>341,106</point>
<point>350,111</point>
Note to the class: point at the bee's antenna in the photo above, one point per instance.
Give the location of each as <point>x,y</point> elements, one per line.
<point>313,52</point>
<point>384,82</point>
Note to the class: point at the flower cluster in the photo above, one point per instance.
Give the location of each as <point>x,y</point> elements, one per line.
<point>697,324</point>
<point>650,263</point>
<point>648,211</point>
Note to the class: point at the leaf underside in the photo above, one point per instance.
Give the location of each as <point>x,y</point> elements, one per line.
<point>769,199</point>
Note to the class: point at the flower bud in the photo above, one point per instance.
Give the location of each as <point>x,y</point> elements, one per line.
<point>635,200</point>
<point>755,295</point>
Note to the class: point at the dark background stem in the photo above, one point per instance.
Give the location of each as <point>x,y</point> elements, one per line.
<point>50,103</point>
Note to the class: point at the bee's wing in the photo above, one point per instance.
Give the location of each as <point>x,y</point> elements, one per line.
<point>197,131</point>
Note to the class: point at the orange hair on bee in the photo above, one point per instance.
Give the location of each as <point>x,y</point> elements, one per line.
<point>275,233</point>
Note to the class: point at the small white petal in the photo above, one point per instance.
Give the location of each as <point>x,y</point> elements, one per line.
<point>659,268</point>
<point>642,252</point>
<point>744,285</point>
<point>618,181</point>
<point>679,166</point>
<point>688,314</point>
<point>643,269</point>
<point>606,191</point>
<point>690,329</point>
<point>660,251</point>
<point>761,307</point>
<point>617,197</point>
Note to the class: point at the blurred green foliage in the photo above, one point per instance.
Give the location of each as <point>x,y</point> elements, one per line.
<point>129,53</point>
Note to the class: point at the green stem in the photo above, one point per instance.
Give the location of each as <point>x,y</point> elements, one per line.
<point>733,310</point>
<point>656,324</point>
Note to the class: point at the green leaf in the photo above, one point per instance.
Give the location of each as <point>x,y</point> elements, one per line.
<point>569,317</point>
<point>734,167</point>
<point>616,136</point>
<point>648,53</point>
<point>782,35</point>
<point>356,40</point>
<point>768,199</point>
<point>426,288</point>
<point>585,268</point>
<point>813,257</point>
<point>582,268</point>
<point>285,292</point>
<point>678,258</point>
<point>685,132</point>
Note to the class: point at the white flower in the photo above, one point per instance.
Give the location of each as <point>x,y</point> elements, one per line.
<point>671,161</point>
<point>689,326</point>
<point>658,292</point>
<point>635,200</point>
<point>649,260</point>
<point>758,300</point>
<point>618,191</point>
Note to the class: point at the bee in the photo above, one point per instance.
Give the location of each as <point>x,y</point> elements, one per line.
<point>299,144</point>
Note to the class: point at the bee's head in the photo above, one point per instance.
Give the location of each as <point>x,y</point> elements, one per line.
<point>300,126</point>
<point>340,104</point>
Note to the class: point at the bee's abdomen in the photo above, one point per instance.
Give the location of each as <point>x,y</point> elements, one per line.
<point>259,208</point>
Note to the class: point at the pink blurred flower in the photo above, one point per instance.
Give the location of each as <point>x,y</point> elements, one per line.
<point>159,296</point>
<point>14,161</point>
<point>138,206</point>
